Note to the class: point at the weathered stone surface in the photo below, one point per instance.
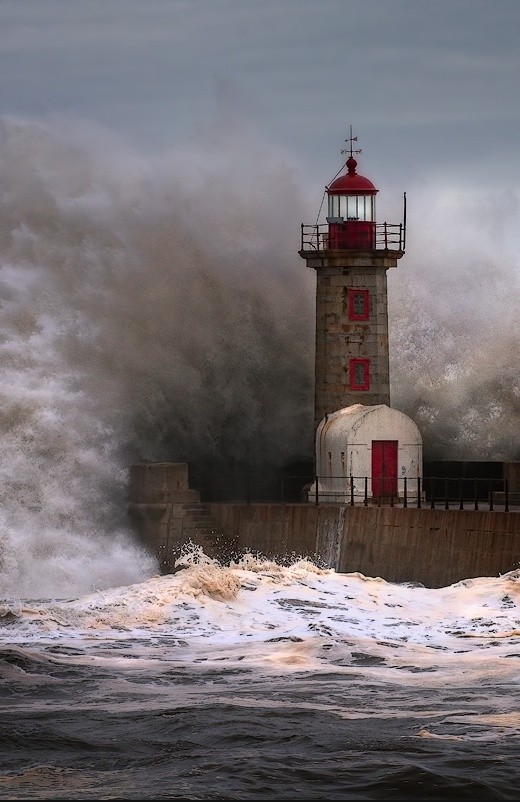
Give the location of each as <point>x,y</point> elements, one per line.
<point>340,339</point>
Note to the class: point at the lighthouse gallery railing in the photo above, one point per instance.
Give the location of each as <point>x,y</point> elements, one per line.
<point>388,237</point>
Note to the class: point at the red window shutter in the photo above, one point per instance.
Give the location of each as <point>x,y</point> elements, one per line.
<point>359,370</point>
<point>359,304</point>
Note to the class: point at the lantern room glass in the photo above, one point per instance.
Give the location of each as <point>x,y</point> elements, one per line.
<point>352,207</point>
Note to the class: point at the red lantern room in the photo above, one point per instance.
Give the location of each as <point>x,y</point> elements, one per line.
<point>351,210</point>
<point>351,216</point>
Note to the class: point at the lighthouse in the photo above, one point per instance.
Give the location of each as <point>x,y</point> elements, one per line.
<point>364,448</point>
<point>351,254</point>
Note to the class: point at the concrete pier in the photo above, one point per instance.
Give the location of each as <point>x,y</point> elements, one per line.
<point>434,547</point>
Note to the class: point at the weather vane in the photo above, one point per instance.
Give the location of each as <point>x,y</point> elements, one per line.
<point>350,140</point>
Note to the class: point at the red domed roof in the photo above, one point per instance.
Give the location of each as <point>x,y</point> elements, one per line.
<point>351,182</point>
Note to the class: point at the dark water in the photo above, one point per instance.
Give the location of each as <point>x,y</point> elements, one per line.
<point>259,681</point>
<point>288,749</point>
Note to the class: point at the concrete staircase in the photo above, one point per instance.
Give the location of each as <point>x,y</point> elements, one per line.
<point>167,514</point>
<point>199,526</point>
<point>192,522</point>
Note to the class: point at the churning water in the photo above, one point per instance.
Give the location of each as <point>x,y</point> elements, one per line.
<point>258,681</point>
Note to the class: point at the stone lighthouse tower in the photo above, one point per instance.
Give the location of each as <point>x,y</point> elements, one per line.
<point>351,254</point>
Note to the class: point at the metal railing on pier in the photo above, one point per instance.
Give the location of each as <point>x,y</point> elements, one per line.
<point>429,491</point>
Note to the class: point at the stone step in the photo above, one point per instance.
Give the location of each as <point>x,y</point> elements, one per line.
<point>206,531</point>
<point>198,523</point>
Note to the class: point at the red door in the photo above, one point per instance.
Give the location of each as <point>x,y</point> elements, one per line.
<point>384,468</point>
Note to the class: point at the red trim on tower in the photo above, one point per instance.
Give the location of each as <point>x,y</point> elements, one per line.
<point>358,304</point>
<point>359,370</point>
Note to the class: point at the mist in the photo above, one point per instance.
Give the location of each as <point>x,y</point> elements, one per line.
<point>454,323</point>
<point>154,307</point>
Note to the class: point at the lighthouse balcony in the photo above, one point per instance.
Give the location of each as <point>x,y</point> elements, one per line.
<point>353,236</point>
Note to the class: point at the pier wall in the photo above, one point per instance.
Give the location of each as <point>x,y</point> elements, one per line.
<point>434,547</point>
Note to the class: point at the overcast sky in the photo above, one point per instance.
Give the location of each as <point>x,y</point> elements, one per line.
<point>431,87</point>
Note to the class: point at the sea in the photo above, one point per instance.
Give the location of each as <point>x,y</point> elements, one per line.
<point>256,680</point>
